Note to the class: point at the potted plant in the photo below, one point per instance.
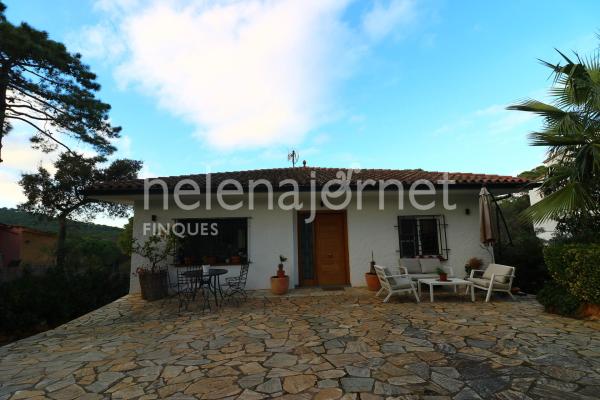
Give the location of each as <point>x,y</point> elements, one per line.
<point>153,275</point>
<point>280,282</point>
<point>473,263</point>
<point>443,274</point>
<point>209,260</point>
<point>373,283</point>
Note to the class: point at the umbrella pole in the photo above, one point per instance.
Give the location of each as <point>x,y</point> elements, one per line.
<point>491,251</point>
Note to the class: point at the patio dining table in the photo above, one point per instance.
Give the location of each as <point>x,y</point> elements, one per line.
<point>213,280</point>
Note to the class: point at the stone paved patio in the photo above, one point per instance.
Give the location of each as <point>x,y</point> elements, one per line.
<point>343,345</point>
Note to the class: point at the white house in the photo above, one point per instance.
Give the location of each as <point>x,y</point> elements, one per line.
<point>439,219</point>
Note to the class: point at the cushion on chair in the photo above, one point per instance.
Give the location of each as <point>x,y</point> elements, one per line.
<point>430,265</point>
<point>388,272</point>
<point>502,272</point>
<point>482,282</point>
<point>401,283</point>
<point>412,265</point>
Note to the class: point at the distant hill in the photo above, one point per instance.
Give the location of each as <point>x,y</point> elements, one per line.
<point>12,216</point>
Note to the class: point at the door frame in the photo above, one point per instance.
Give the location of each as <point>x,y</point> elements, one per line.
<point>315,282</point>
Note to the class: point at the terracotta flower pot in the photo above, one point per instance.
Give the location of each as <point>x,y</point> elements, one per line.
<point>373,283</point>
<point>443,277</point>
<point>280,284</point>
<point>210,260</point>
<point>590,311</point>
<point>153,285</point>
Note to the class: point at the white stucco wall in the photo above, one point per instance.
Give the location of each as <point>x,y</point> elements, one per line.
<point>377,230</point>
<point>269,235</point>
<point>273,232</point>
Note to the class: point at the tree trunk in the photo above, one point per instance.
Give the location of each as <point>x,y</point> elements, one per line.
<point>60,243</point>
<point>3,88</point>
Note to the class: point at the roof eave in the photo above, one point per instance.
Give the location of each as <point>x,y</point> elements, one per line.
<point>515,186</point>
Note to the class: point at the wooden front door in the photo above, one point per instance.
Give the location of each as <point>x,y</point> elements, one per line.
<point>323,250</point>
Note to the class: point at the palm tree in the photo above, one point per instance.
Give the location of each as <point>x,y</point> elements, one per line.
<point>571,130</point>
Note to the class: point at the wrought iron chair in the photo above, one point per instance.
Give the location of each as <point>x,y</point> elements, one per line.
<point>190,283</point>
<point>235,287</point>
<point>186,288</point>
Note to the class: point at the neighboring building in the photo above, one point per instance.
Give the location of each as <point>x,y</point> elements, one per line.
<point>20,246</point>
<point>544,230</point>
<point>336,248</point>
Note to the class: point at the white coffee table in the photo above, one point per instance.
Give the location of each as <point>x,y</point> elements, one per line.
<point>455,282</point>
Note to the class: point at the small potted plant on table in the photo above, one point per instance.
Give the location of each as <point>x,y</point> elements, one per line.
<point>153,276</point>
<point>373,283</point>
<point>443,275</point>
<point>280,282</point>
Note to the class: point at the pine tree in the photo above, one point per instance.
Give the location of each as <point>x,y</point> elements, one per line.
<point>62,196</point>
<point>49,89</point>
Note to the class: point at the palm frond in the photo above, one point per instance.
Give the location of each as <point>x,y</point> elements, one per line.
<point>550,138</point>
<point>556,119</point>
<point>569,198</point>
<point>537,107</point>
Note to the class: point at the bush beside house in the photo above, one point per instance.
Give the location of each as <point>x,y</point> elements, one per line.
<point>575,270</point>
<point>557,299</point>
<point>526,251</point>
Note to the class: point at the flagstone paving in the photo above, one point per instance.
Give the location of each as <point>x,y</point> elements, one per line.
<point>346,345</point>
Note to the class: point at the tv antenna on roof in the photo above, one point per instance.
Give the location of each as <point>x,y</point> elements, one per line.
<point>293,157</point>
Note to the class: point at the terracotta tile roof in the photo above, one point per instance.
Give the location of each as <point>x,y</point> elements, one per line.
<point>302,175</point>
<point>20,228</point>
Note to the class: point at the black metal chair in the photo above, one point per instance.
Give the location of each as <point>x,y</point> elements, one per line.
<point>186,287</point>
<point>203,287</point>
<point>235,287</point>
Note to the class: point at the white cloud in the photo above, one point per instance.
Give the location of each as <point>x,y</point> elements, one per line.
<point>384,19</point>
<point>116,6</point>
<point>492,120</point>
<point>99,41</point>
<point>123,145</point>
<point>10,189</point>
<point>247,74</point>
<point>18,157</point>
<point>146,172</point>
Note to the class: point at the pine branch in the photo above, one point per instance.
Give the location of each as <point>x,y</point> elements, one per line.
<point>43,132</point>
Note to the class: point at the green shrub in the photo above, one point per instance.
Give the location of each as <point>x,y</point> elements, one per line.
<point>577,268</point>
<point>526,251</point>
<point>32,303</point>
<point>556,298</point>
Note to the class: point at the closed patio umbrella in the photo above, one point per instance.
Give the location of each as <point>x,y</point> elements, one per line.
<point>487,233</point>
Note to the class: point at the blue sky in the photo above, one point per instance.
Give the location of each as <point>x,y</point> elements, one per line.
<point>213,86</point>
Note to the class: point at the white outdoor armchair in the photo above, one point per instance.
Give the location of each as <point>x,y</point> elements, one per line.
<point>394,283</point>
<point>495,278</point>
